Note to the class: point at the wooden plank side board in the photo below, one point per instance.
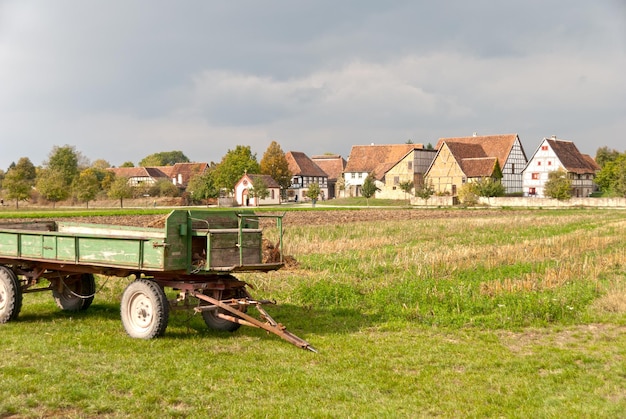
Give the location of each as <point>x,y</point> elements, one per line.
<point>129,253</point>
<point>9,244</point>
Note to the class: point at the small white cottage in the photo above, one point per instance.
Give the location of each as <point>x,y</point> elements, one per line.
<point>246,194</point>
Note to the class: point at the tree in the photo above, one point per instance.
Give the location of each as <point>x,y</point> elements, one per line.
<point>313,192</point>
<point>202,186</point>
<point>164,158</point>
<point>467,194</point>
<point>369,188</point>
<point>612,178</point>
<point>233,166</point>
<point>100,164</point>
<point>259,189</point>
<point>128,164</point>
<point>406,187</point>
<point>19,180</point>
<point>488,187</point>
<point>164,187</point>
<point>120,189</point>
<point>425,191</point>
<point>605,155</point>
<point>51,185</point>
<point>65,160</point>
<point>275,165</point>
<point>558,185</point>
<point>86,186</point>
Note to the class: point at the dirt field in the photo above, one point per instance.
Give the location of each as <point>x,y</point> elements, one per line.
<point>314,217</point>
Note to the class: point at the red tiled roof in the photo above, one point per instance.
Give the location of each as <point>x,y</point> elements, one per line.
<point>368,158</point>
<point>267,179</point>
<point>498,146</point>
<point>572,159</point>
<point>332,164</point>
<point>479,167</point>
<point>301,165</point>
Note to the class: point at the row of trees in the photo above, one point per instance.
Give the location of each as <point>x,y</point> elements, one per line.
<point>67,174</point>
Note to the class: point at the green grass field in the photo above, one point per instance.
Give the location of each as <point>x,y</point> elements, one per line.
<point>515,315</point>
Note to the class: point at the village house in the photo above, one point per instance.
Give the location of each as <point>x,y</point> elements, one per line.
<point>138,176</point>
<point>244,190</point>
<point>333,165</point>
<point>304,172</point>
<point>179,174</point>
<point>377,160</point>
<point>465,159</point>
<point>554,154</point>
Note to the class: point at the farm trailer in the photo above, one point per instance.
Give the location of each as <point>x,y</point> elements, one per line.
<point>196,253</point>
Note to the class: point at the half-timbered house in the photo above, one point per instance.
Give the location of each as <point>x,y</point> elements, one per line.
<point>554,154</point>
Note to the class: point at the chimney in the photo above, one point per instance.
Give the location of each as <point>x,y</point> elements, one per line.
<point>554,137</point>
<point>475,134</point>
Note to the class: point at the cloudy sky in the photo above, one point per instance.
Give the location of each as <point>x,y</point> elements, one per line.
<point>120,80</point>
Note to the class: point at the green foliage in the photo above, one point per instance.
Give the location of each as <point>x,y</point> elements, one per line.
<point>558,185</point>
<point>369,187</point>
<point>259,188</point>
<point>606,155</point>
<point>313,192</point>
<point>233,166</point>
<point>467,194</point>
<point>163,158</point>
<point>87,185</point>
<point>64,160</point>
<point>120,189</point>
<point>275,165</point>
<point>406,187</point>
<point>127,164</point>
<point>164,188</point>
<point>426,190</point>
<point>19,180</point>
<point>51,185</point>
<point>488,187</point>
<point>202,186</point>
<point>612,178</point>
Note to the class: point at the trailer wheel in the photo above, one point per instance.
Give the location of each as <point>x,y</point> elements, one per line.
<point>144,309</point>
<point>211,318</point>
<point>10,295</point>
<point>77,294</point>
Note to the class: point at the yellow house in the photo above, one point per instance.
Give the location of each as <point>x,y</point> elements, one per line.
<point>458,163</point>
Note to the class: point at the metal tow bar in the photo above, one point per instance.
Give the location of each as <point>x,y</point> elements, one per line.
<point>240,317</point>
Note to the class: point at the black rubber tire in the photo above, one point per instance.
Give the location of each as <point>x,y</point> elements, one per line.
<point>69,300</point>
<point>10,295</point>
<point>144,309</point>
<point>211,318</point>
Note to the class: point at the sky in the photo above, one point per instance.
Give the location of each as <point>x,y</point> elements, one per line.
<point>122,79</point>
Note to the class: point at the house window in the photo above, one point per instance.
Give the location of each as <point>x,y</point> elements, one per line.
<point>544,148</point>
<point>273,193</point>
<point>512,167</point>
<point>396,180</point>
<point>360,175</point>
<point>532,191</point>
<point>549,163</point>
<point>410,165</point>
<point>534,176</point>
<point>353,175</point>
<point>539,163</point>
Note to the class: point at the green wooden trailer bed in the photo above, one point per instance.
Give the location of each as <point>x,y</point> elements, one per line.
<point>195,253</point>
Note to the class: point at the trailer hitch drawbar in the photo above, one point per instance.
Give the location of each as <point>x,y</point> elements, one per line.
<point>236,316</point>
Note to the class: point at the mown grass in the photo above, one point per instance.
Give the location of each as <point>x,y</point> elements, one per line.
<point>521,315</point>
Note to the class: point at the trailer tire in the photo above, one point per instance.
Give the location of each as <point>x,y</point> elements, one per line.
<point>77,295</point>
<point>144,309</point>
<point>211,318</point>
<point>10,295</point>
